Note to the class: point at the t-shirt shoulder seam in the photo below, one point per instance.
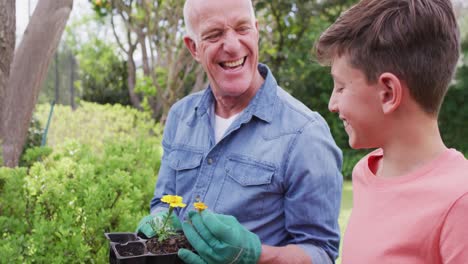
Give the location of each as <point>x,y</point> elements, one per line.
<point>455,201</point>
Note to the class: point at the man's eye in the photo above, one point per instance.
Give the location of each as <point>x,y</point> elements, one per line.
<point>213,36</point>
<point>243,29</point>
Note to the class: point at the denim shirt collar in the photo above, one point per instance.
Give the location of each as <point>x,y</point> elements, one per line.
<point>261,105</point>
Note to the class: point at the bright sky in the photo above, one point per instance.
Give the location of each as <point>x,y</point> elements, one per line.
<point>22,16</point>
<point>23,7</point>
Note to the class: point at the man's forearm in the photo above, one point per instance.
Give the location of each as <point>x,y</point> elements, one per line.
<point>290,254</point>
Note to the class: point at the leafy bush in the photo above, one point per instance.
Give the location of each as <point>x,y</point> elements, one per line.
<point>94,124</point>
<point>59,210</point>
<point>33,141</point>
<point>98,178</point>
<point>34,154</point>
<point>103,74</point>
<point>35,129</point>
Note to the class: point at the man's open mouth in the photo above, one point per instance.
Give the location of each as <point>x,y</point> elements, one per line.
<point>233,64</point>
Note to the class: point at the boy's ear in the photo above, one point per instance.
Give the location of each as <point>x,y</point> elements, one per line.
<point>391,92</point>
<point>191,46</point>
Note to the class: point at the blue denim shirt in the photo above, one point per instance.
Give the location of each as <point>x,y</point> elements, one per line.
<point>276,169</point>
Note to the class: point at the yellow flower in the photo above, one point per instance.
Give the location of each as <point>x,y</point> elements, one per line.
<point>200,206</point>
<point>173,200</point>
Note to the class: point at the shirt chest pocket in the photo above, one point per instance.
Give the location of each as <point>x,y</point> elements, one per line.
<point>246,186</point>
<point>186,164</point>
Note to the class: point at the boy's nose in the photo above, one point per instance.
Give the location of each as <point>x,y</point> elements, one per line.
<point>332,103</point>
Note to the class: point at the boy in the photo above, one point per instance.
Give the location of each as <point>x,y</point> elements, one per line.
<point>392,62</point>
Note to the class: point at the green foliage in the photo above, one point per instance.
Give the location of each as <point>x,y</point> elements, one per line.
<point>145,85</point>
<point>161,228</point>
<point>101,7</point>
<point>33,142</point>
<point>103,75</point>
<point>13,207</point>
<point>453,118</point>
<point>34,137</point>
<point>34,154</point>
<point>94,124</point>
<point>57,85</point>
<point>58,210</point>
<point>350,158</point>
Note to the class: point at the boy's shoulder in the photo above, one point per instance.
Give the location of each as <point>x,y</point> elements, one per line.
<point>451,166</point>
<point>450,169</point>
<point>363,163</point>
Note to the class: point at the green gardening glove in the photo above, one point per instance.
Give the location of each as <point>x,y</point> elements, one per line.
<point>145,228</point>
<point>219,239</point>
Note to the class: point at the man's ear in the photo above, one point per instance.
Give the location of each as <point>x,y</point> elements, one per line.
<point>191,46</point>
<point>391,92</point>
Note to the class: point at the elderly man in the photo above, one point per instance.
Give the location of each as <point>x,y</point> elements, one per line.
<point>266,164</point>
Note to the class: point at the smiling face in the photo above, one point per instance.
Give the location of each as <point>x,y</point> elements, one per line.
<point>358,104</point>
<point>224,40</point>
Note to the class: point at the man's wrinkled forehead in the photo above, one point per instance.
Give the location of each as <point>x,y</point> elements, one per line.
<point>193,10</point>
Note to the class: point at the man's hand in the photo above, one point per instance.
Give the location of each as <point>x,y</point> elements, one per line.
<point>145,228</point>
<point>219,239</point>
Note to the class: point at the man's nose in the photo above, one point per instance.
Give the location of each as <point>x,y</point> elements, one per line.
<point>231,42</point>
<point>332,103</point>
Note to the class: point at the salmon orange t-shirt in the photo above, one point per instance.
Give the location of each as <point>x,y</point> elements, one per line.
<point>418,218</point>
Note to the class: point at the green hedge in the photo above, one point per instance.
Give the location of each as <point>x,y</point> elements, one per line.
<point>93,124</point>
<point>96,175</point>
<point>58,210</point>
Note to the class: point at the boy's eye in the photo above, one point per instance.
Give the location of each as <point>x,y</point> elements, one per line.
<point>338,89</point>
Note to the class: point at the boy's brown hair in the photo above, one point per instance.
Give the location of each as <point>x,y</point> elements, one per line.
<point>417,40</point>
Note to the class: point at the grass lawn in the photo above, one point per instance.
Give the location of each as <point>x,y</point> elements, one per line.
<point>346,205</point>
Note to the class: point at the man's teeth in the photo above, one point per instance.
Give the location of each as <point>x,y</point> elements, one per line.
<point>345,123</point>
<point>232,64</point>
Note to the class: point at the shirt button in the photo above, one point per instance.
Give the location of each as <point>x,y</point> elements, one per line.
<point>210,161</point>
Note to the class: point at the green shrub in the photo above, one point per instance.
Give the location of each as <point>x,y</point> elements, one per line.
<point>93,124</point>
<point>34,138</point>
<point>97,175</point>
<point>350,158</point>
<point>34,154</point>
<point>33,141</point>
<point>59,210</point>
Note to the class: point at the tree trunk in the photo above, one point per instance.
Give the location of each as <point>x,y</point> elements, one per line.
<point>28,71</point>
<point>131,80</point>
<point>72,82</point>
<point>7,48</point>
